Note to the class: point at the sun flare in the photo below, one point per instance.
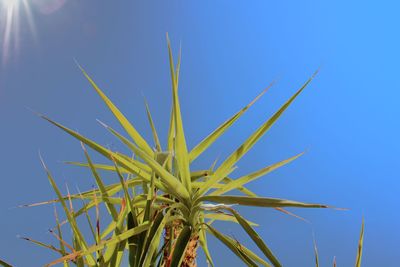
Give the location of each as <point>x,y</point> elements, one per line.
<point>10,23</point>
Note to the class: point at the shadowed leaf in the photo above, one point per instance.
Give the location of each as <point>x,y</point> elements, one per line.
<point>180,246</point>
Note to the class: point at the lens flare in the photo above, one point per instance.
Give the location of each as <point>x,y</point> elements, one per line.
<point>10,20</point>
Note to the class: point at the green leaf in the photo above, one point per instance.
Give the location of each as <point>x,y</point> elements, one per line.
<point>237,248</point>
<point>133,241</point>
<point>242,189</point>
<point>120,254</point>
<point>238,183</point>
<point>226,167</point>
<point>180,246</point>
<point>253,235</point>
<point>60,235</point>
<point>133,133</point>
<point>203,242</point>
<point>256,238</point>
<point>104,167</point>
<point>171,130</point>
<point>171,140</point>
<point>196,175</point>
<point>5,264</point>
<point>153,128</point>
<point>211,138</point>
<point>125,189</point>
<point>100,184</point>
<point>181,152</point>
<point>112,252</point>
<point>124,162</point>
<point>41,244</point>
<point>174,186</point>
<point>148,216</point>
<point>80,239</point>
<point>112,241</point>
<point>145,243</point>
<point>360,246</point>
<point>89,221</point>
<point>155,241</point>
<point>316,254</point>
<point>112,226</point>
<point>225,217</point>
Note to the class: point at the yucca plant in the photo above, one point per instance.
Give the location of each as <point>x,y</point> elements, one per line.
<point>162,210</point>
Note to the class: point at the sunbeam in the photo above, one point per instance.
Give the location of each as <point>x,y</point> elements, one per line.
<point>10,20</point>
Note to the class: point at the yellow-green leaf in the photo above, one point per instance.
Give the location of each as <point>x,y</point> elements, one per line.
<point>181,152</point>
<point>360,246</point>
<point>210,139</point>
<point>153,128</point>
<point>226,167</point>
<point>112,241</point>
<point>241,251</point>
<point>133,133</point>
<point>259,202</point>
<point>174,186</point>
<point>238,183</point>
<point>71,219</point>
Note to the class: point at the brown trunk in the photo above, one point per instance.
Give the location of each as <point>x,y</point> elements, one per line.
<point>190,256</point>
<point>167,239</point>
<point>189,259</point>
<point>175,229</point>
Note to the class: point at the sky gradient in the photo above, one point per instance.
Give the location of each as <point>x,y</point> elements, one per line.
<point>346,120</point>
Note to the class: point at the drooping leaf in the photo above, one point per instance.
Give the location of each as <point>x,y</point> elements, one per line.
<point>251,233</point>
<point>238,249</point>
<point>256,238</point>
<point>259,202</point>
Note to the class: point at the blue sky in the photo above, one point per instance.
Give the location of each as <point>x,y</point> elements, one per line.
<point>346,121</point>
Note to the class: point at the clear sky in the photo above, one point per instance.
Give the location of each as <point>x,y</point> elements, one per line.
<point>346,121</point>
